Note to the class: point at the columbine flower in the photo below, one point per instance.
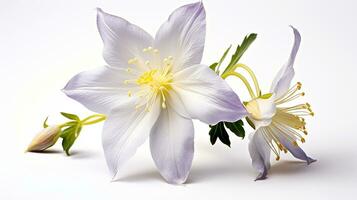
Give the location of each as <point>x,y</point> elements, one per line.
<point>45,139</point>
<point>154,87</point>
<point>279,127</point>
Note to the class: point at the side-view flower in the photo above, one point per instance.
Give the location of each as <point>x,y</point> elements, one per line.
<point>155,87</point>
<point>278,126</point>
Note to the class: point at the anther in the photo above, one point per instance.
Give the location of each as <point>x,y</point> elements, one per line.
<point>163,105</point>
<point>277,158</point>
<point>280,147</point>
<point>299,85</point>
<point>312,114</point>
<point>302,93</point>
<point>295,143</point>
<point>302,140</point>
<point>147,63</point>
<point>128,69</point>
<point>129,93</point>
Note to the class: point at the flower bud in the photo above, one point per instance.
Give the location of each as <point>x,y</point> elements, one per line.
<point>45,139</point>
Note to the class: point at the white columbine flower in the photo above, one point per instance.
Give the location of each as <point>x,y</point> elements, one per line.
<point>278,125</point>
<point>155,87</point>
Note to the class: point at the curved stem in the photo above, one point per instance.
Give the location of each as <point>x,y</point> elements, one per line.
<point>93,119</point>
<point>241,77</point>
<point>70,123</point>
<point>252,75</point>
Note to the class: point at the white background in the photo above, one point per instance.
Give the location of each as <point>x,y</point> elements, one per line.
<point>44,43</point>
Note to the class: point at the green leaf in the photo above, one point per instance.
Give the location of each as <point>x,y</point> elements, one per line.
<point>213,134</point>
<point>250,123</point>
<point>213,66</point>
<point>70,116</point>
<point>45,125</point>
<point>236,128</point>
<point>241,49</point>
<point>69,136</point>
<point>223,57</point>
<point>219,131</point>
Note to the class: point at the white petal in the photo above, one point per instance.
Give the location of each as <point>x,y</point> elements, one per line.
<point>183,36</point>
<point>296,151</point>
<point>259,152</point>
<point>122,40</point>
<point>100,90</point>
<point>171,143</point>
<point>124,131</point>
<point>206,96</point>
<point>283,79</point>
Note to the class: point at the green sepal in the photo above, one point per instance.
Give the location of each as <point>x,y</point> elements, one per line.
<point>266,96</point>
<point>251,124</point>
<point>236,128</point>
<point>69,136</point>
<point>219,131</point>
<point>70,116</point>
<point>241,49</point>
<point>213,66</point>
<point>45,125</point>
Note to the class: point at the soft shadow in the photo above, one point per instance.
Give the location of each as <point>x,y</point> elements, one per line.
<point>75,154</point>
<point>289,167</point>
<point>141,176</point>
<point>203,173</point>
<point>49,151</point>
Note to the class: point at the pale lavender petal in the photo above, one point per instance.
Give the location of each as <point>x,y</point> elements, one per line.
<point>206,96</point>
<point>100,90</point>
<point>122,40</point>
<point>183,36</point>
<point>259,152</point>
<point>285,75</point>
<point>171,143</point>
<point>296,151</point>
<point>124,131</point>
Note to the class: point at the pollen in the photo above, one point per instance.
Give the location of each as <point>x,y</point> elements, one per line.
<point>154,80</point>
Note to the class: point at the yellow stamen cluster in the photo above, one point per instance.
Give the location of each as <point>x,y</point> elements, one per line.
<point>288,122</point>
<point>154,77</point>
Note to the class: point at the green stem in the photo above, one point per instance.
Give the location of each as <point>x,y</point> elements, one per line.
<point>93,119</point>
<point>241,77</point>
<point>67,124</point>
<point>252,75</point>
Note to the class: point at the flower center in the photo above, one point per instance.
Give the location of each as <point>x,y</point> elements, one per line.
<point>288,123</point>
<point>261,110</point>
<point>154,82</point>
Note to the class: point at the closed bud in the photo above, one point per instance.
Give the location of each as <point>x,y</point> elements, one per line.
<point>45,139</point>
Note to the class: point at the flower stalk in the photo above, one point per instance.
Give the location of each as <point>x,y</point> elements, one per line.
<point>232,72</point>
